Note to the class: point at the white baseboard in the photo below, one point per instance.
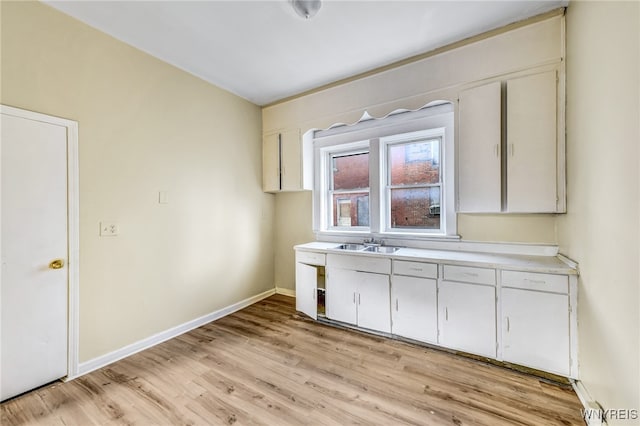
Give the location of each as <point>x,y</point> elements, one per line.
<point>285,292</point>
<point>111,357</point>
<point>592,413</point>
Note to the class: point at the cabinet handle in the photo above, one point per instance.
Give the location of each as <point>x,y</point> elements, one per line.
<point>416,269</point>
<point>446,313</point>
<point>497,149</point>
<point>354,297</point>
<point>358,298</point>
<point>396,305</point>
<point>511,150</point>
<point>508,325</point>
<point>535,281</point>
<point>471,274</point>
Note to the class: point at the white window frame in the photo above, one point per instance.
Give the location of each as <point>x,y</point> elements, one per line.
<point>385,185</point>
<point>376,134</point>
<point>329,153</point>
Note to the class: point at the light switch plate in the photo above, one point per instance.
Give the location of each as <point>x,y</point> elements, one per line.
<point>109,229</point>
<point>163,197</point>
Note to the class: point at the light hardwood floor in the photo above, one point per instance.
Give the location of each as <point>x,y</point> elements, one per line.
<point>268,365</point>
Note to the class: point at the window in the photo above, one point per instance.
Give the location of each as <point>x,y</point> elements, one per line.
<point>386,178</point>
<point>349,189</point>
<point>413,181</point>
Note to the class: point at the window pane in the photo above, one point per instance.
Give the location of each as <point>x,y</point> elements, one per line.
<point>415,163</point>
<point>351,171</point>
<point>415,208</point>
<point>351,209</point>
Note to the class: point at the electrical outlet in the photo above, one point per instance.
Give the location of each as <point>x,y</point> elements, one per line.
<point>109,229</point>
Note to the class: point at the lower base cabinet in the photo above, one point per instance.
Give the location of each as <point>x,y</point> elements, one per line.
<point>359,298</point>
<point>535,330</point>
<point>468,317</point>
<point>414,312</point>
<point>523,317</point>
<point>306,289</point>
<point>341,295</point>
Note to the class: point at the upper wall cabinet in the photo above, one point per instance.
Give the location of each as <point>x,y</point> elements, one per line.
<point>511,146</point>
<point>479,149</point>
<point>532,146</point>
<point>282,162</point>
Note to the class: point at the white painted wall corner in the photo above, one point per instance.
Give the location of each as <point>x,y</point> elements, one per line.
<point>285,291</point>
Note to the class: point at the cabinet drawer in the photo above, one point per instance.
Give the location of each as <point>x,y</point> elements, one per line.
<point>378,265</point>
<point>536,281</point>
<point>415,269</point>
<point>310,258</point>
<point>468,274</point>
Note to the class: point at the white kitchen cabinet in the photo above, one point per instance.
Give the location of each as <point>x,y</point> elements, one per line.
<point>479,149</point>
<point>373,302</point>
<point>514,308</point>
<point>510,155</point>
<point>536,318</point>
<point>271,163</point>
<point>341,295</point>
<point>532,149</point>
<point>359,298</point>
<point>306,289</point>
<point>414,311</point>
<point>535,330</point>
<point>467,315</point>
<point>282,162</point>
<point>307,264</point>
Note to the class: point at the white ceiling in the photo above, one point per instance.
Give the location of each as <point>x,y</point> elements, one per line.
<point>263,52</point>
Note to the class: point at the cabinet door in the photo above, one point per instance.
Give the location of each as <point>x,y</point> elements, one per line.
<point>479,149</point>
<point>535,329</point>
<point>306,289</point>
<point>468,317</point>
<point>291,166</point>
<point>271,163</point>
<point>373,301</point>
<point>341,293</point>
<point>532,143</point>
<point>414,309</point>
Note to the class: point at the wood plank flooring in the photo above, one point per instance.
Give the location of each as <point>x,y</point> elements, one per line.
<point>268,365</point>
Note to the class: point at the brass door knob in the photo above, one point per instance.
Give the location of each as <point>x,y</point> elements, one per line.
<point>56,264</point>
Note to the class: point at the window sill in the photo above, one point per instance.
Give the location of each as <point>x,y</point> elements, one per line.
<point>389,238</point>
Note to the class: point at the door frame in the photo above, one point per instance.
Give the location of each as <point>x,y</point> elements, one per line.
<point>73,233</point>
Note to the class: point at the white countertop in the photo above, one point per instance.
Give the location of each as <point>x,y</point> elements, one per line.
<point>544,264</point>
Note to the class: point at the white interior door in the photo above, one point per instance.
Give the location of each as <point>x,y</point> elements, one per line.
<point>34,285</point>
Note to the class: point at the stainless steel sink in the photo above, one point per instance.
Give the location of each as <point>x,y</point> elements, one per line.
<point>352,247</point>
<point>382,249</point>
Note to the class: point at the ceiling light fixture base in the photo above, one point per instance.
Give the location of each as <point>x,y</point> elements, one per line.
<point>306,9</point>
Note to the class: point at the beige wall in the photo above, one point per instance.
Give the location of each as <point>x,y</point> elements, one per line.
<point>603,115</point>
<point>145,126</point>
<point>412,86</point>
<point>294,226</point>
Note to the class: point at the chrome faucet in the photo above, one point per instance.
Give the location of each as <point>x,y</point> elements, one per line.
<point>371,242</point>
